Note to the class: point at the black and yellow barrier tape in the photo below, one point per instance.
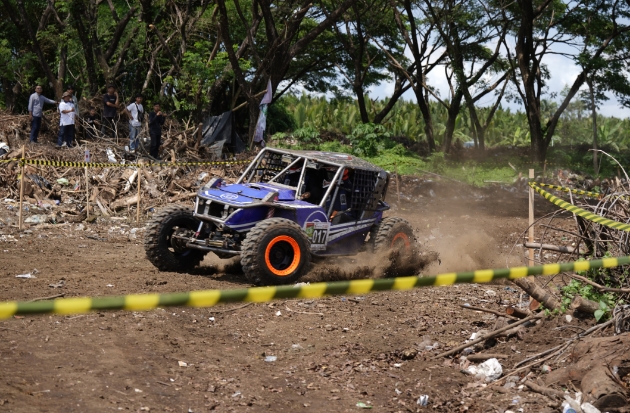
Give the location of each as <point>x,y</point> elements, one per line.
<point>8,160</point>
<point>209,298</point>
<point>590,194</point>
<point>68,164</point>
<point>581,212</point>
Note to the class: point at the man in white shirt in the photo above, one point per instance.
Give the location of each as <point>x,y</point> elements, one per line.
<point>66,121</point>
<point>135,111</point>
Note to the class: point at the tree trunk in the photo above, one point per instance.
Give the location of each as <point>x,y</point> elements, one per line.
<point>453,112</point>
<point>426,116</point>
<point>358,91</point>
<point>9,97</point>
<point>591,92</point>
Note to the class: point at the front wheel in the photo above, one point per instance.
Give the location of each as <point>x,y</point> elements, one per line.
<point>163,248</point>
<point>276,251</point>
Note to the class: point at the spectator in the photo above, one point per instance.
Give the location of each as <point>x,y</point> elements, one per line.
<point>35,106</point>
<point>110,105</point>
<point>91,124</point>
<point>156,120</point>
<point>73,100</point>
<point>77,113</point>
<point>66,121</point>
<point>135,111</point>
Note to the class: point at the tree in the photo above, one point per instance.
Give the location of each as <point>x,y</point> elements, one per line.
<point>423,46</point>
<point>286,39</point>
<point>361,63</point>
<point>593,27</point>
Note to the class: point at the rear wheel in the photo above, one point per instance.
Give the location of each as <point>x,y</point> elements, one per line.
<point>393,234</point>
<point>393,239</point>
<point>276,251</point>
<point>165,251</point>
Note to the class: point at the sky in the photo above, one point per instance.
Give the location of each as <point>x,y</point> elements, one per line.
<point>563,72</point>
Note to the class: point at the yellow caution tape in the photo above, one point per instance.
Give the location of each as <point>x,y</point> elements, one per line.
<point>209,298</point>
<point>579,211</point>
<point>591,194</point>
<point>68,164</point>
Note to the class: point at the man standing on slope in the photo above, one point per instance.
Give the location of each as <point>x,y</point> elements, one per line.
<point>35,109</point>
<point>110,105</point>
<point>66,121</point>
<point>135,111</point>
<point>156,120</point>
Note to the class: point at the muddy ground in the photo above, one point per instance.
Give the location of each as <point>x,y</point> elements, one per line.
<point>330,353</point>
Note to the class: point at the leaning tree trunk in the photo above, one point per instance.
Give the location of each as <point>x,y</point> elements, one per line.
<point>591,92</point>
<point>453,112</point>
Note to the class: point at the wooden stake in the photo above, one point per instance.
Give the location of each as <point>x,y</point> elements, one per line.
<point>531,219</point>
<point>138,205</point>
<point>397,184</point>
<point>21,187</point>
<point>87,193</point>
<point>544,171</point>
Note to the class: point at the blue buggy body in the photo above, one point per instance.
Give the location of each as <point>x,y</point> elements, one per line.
<point>287,207</point>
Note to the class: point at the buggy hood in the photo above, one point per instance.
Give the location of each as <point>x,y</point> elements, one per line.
<point>244,194</point>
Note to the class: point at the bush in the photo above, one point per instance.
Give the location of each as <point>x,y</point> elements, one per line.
<point>368,139</point>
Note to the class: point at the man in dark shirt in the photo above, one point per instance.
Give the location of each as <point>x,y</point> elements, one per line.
<point>156,120</point>
<point>91,123</point>
<point>110,106</point>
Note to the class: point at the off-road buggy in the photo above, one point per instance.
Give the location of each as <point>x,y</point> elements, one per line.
<point>287,208</point>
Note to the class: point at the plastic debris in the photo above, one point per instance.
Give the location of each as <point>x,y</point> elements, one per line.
<point>589,408</point>
<point>278,313</point>
<point>271,359</point>
<point>63,181</point>
<point>182,364</point>
<point>490,369</point>
<point>110,156</point>
<point>362,405</point>
<point>60,284</point>
<point>36,219</point>
<point>40,181</point>
<point>423,400</point>
<point>27,275</point>
<point>211,318</point>
<point>4,149</point>
<point>545,368</point>
<point>137,390</point>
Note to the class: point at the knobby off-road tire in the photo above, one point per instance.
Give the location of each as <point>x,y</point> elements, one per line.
<point>393,234</point>
<point>157,240</point>
<point>276,251</point>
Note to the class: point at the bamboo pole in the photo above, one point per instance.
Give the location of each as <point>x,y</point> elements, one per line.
<point>531,219</point>
<point>87,193</point>
<point>138,205</point>
<point>397,184</point>
<point>21,187</point>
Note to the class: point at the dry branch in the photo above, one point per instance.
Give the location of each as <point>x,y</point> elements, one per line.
<point>487,336</point>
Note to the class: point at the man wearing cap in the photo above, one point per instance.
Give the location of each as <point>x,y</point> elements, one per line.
<point>35,106</point>
<point>135,111</point>
<point>66,121</point>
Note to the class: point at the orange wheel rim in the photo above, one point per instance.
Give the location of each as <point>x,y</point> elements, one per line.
<point>278,253</point>
<point>401,236</point>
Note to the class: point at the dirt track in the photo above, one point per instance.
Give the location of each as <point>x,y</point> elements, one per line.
<point>331,353</point>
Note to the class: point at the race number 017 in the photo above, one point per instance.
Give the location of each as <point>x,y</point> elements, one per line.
<point>319,236</point>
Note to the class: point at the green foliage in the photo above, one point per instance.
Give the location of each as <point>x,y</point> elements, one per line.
<point>603,310</point>
<point>307,135</point>
<point>367,138</point>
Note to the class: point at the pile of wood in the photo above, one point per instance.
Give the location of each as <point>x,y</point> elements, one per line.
<point>112,190</point>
